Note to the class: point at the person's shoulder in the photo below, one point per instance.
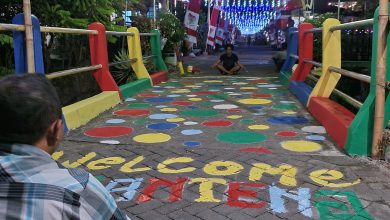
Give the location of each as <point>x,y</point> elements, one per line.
<point>94,197</point>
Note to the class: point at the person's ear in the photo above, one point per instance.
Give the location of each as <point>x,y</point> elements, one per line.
<point>55,133</point>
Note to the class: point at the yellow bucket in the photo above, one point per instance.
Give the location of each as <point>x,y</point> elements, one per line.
<point>189,69</point>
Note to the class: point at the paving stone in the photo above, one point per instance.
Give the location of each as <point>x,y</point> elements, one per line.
<point>241,216</point>
<point>181,215</point>
<point>151,214</point>
<point>373,191</point>
<point>172,207</point>
<point>268,216</point>
<point>145,207</point>
<point>199,207</point>
<point>209,214</point>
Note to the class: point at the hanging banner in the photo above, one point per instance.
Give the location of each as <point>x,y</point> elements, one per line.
<point>219,36</point>
<point>213,26</point>
<point>191,20</point>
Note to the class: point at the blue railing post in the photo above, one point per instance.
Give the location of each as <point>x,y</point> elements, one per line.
<point>19,40</point>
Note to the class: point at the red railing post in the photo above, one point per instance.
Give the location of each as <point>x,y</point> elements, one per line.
<point>305,52</point>
<point>99,55</point>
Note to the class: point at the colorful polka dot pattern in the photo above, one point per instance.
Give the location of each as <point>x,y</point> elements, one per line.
<point>202,113</point>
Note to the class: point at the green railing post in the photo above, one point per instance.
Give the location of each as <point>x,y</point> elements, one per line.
<point>156,51</point>
<point>360,132</point>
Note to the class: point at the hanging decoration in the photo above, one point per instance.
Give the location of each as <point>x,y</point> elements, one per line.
<point>213,26</point>
<point>249,16</point>
<point>191,20</point>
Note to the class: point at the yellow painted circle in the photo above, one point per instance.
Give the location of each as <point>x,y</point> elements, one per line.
<point>152,138</point>
<point>254,101</point>
<point>193,86</point>
<point>301,146</point>
<point>195,99</point>
<point>248,88</point>
<point>290,113</point>
<point>175,119</point>
<point>213,81</point>
<point>234,116</point>
<point>258,127</point>
<point>169,109</point>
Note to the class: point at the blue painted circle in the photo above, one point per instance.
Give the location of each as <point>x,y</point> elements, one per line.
<point>288,120</point>
<point>191,132</point>
<point>162,126</point>
<point>256,107</point>
<point>115,121</point>
<point>192,144</point>
<point>192,107</point>
<point>159,99</point>
<point>162,116</point>
<point>315,137</point>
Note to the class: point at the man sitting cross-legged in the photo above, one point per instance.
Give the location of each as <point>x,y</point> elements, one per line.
<point>32,184</point>
<point>228,63</point>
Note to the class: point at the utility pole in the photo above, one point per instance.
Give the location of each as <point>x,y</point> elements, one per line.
<point>338,10</point>
<point>208,23</point>
<point>154,13</point>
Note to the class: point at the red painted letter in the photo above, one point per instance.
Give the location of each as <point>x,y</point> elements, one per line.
<point>234,193</point>
<point>154,184</point>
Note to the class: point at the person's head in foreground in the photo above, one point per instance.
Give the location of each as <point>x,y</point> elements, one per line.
<point>229,49</point>
<point>30,112</point>
<point>34,186</point>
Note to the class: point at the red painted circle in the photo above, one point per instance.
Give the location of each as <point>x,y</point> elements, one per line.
<point>145,95</point>
<point>107,132</point>
<point>287,134</point>
<point>234,110</point>
<point>262,95</point>
<point>205,93</point>
<point>132,112</point>
<point>256,150</point>
<point>259,81</point>
<point>182,103</point>
<point>217,123</point>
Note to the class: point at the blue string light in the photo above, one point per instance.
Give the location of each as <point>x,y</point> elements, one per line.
<point>249,16</point>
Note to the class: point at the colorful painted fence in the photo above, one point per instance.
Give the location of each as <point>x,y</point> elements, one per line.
<point>80,113</point>
<point>352,133</point>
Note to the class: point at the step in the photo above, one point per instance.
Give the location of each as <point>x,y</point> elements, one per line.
<point>159,77</point>
<point>80,113</point>
<point>133,88</point>
<point>334,117</point>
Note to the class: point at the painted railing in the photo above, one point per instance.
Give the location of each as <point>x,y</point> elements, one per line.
<point>80,113</point>
<point>351,132</point>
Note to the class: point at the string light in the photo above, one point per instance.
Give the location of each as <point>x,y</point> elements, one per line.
<point>249,16</point>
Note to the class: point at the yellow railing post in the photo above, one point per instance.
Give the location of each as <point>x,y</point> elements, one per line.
<point>135,52</point>
<point>331,56</point>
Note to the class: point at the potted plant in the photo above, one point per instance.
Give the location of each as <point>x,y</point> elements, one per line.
<point>171,29</point>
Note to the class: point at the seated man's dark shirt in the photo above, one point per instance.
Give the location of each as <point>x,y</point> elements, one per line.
<point>228,62</point>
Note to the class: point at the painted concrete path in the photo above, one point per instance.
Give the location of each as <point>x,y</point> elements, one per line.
<point>224,148</point>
